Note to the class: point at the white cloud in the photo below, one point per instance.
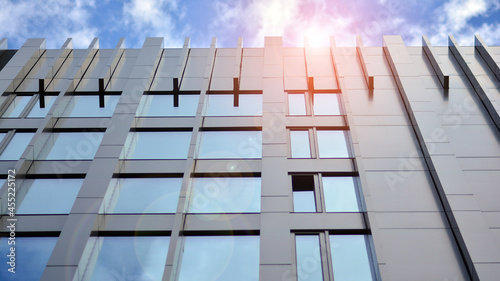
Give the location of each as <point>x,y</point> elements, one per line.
<point>156,18</point>
<point>55,19</point>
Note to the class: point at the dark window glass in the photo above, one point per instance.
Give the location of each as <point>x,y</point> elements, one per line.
<point>303,193</point>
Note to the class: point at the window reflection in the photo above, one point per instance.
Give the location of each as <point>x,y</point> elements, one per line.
<point>308,258</point>
<point>340,194</point>
<point>37,111</point>
<point>32,255</point>
<point>16,107</point>
<point>156,145</point>
<point>220,258</point>
<point>163,105</point>
<point>223,105</point>
<point>88,106</point>
<point>332,144</point>
<point>303,193</point>
<point>296,104</point>
<point>230,144</point>
<point>143,195</point>
<point>326,104</point>
<point>128,258</point>
<point>225,195</point>
<point>299,141</point>
<point>49,196</point>
<point>71,146</point>
<point>16,146</point>
<point>350,258</point>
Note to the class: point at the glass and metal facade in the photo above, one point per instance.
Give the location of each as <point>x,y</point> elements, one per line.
<point>274,163</point>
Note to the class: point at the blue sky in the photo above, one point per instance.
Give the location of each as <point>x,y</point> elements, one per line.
<point>174,20</point>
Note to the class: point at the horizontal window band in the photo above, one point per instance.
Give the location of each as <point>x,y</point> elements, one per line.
<point>75,130</point>
<point>94,93</point>
<point>326,174</point>
<point>31,93</point>
<point>160,129</point>
<point>32,234</point>
<point>230,129</point>
<point>171,93</point>
<point>321,128</point>
<point>55,176</point>
<point>226,175</point>
<point>219,232</point>
<point>149,175</point>
<point>130,233</point>
<point>332,231</point>
<point>240,92</point>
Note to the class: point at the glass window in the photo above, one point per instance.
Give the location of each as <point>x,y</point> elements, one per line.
<point>88,106</point>
<point>350,258</point>
<point>303,193</point>
<point>296,104</point>
<point>71,146</point>
<point>230,144</point>
<point>299,141</point>
<point>308,258</point>
<point>16,107</point>
<point>50,196</point>
<point>225,195</point>
<point>340,194</point>
<point>332,144</point>
<point>31,257</point>
<point>220,258</point>
<point>2,135</point>
<point>16,146</point>
<point>223,105</point>
<point>144,195</point>
<point>129,258</point>
<point>163,105</point>
<point>326,104</point>
<point>156,145</point>
<point>37,111</point>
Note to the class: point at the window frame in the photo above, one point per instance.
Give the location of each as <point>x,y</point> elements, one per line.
<point>35,96</point>
<point>310,105</point>
<point>319,192</point>
<point>314,142</point>
<point>326,253</point>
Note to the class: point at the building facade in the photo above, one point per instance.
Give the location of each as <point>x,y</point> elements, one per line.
<point>273,163</point>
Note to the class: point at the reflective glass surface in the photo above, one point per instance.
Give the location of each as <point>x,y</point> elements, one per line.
<point>308,258</point>
<point>332,144</point>
<point>296,104</point>
<point>299,141</point>
<point>36,111</point>
<point>340,194</point>
<point>71,146</point>
<point>230,144</point>
<point>163,105</point>
<point>223,105</point>
<point>156,145</point>
<point>350,258</point>
<point>303,201</point>
<point>16,106</point>
<point>31,257</point>
<point>2,135</point>
<point>140,258</point>
<point>225,195</point>
<point>88,106</point>
<point>16,146</point>
<point>50,196</point>
<point>144,195</point>
<point>220,258</point>
<point>326,104</point>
